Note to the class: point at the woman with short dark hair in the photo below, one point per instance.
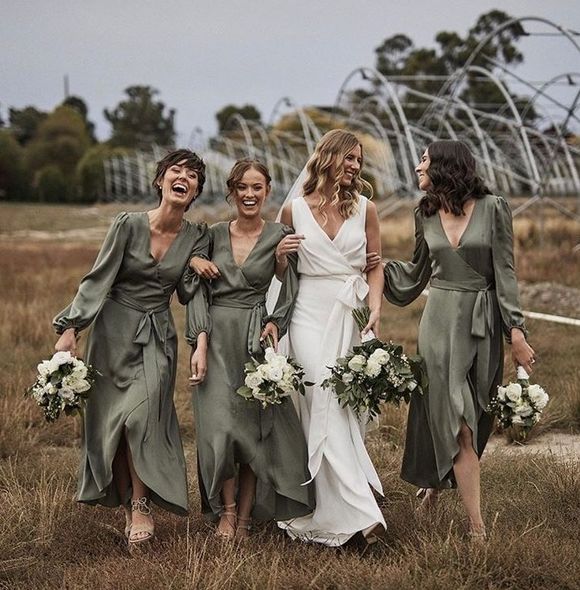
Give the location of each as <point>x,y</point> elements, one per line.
<point>131,449</point>
<point>464,251</point>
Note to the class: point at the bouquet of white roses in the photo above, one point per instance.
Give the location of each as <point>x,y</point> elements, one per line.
<point>373,373</point>
<point>272,380</point>
<point>62,385</point>
<point>519,405</point>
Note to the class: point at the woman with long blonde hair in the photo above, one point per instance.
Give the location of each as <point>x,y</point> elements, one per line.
<point>335,227</point>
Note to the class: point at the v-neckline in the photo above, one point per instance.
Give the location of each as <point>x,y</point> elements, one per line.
<point>159,261</point>
<point>465,229</point>
<point>332,240</point>
<point>240,266</point>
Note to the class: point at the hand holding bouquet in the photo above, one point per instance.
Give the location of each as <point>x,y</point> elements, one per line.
<point>62,385</point>
<point>519,405</point>
<point>272,380</point>
<point>374,373</point>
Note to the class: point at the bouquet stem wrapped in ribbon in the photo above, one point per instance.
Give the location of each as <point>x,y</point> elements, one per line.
<point>375,372</point>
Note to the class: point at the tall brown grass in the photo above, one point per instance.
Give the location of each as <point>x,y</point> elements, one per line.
<point>48,541</point>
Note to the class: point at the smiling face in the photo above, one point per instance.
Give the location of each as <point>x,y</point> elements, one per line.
<point>422,177</point>
<point>250,192</point>
<point>179,185</point>
<point>351,166</point>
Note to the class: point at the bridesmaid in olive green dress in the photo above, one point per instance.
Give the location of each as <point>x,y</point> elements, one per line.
<point>264,449</point>
<point>464,250</point>
<point>131,449</point>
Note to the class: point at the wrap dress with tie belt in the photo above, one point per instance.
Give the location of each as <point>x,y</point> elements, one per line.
<point>133,345</point>
<point>473,300</point>
<point>231,430</point>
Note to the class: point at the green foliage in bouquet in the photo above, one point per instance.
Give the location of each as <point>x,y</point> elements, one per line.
<point>375,372</point>
<point>62,385</point>
<point>273,379</point>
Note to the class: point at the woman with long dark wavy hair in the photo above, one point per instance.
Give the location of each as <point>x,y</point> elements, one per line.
<point>464,250</point>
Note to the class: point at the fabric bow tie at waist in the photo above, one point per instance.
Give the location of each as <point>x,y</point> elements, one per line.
<point>149,332</point>
<point>482,315</point>
<point>254,346</point>
<point>353,291</point>
<point>258,307</point>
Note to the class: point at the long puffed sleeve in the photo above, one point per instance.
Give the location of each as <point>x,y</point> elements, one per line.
<point>506,285</point>
<point>282,311</point>
<point>404,281</point>
<point>197,317</point>
<point>95,285</point>
<point>190,281</point>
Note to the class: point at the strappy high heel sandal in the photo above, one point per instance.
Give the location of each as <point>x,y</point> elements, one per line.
<point>478,535</point>
<point>373,533</point>
<point>140,534</point>
<point>244,528</point>
<point>229,511</point>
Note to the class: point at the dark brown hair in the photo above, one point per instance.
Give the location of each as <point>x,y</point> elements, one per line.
<point>452,171</point>
<point>190,160</point>
<point>238,171</point>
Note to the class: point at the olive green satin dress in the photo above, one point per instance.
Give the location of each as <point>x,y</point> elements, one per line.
<point>133,344</point>
<point>231,430</point>
<point>473,300</point>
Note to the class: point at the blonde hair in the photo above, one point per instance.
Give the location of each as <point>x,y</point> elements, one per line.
<point>333,148</point>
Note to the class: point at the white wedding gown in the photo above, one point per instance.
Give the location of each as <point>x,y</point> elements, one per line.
<point>321,330</point>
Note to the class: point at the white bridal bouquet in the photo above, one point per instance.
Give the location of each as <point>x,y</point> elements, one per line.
<point>62,385</point>
<point>519,405</point>
<point>375,372</point>
<point>272,380</point>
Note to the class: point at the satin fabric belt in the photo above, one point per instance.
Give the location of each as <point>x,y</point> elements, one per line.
<point>482,315</point>
<point>354,289</point>
<point>253,345</point>
<point>149,335</point>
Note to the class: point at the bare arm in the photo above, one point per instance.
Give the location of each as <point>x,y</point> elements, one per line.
<point>288,245</point>
<point>375,276</point>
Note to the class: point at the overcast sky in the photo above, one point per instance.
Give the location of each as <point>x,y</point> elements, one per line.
<point>202,55</point>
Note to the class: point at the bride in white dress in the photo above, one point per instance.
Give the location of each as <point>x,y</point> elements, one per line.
<point>335,228</point>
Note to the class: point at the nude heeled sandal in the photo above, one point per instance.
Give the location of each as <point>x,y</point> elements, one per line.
<point>141,505</point>
<point>231,515</point>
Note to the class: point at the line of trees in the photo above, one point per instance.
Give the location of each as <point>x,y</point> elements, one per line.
<point>55,157</point>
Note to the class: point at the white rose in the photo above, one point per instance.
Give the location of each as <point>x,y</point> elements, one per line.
<point>253,380</point>
<point>82,385</point>
<point>372,369</point>
<point>356,363</point>
<point>347,378</point>
<point>524,410</point>
<point>274,373</point>
<point>380,356</point>
<point>67,394</point>
<point>538,396</point>
<point>43,368</point>
<point>61,358</point>
<point>501,393</point>
<point>80,371</point>
<point>513,392</point>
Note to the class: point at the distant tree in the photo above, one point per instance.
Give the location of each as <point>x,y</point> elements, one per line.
<point>79,105</point>
<point>140,120</point>
<point>24,122</point>
<point>60,142</point>
<point>398,56</point>
<point>248,112</point>
<point>13,177</point>
<point>90,172</point>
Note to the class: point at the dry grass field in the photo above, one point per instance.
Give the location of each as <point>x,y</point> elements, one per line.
<point>531,501</point>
